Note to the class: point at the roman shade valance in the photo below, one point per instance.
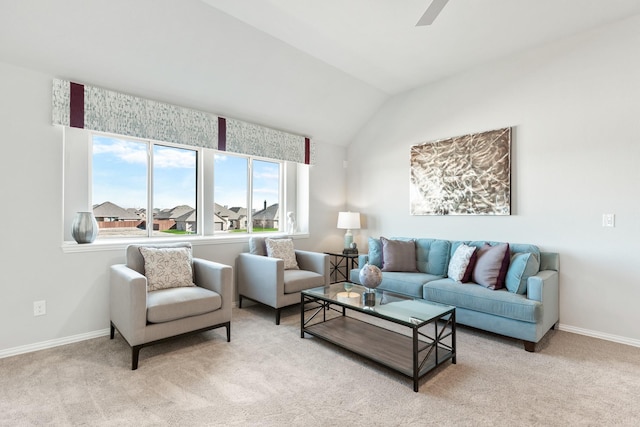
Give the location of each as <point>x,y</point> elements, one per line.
<point>97,109</point>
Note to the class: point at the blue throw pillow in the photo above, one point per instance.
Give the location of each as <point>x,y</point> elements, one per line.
<point>523,265</point>
<point>375,252</point>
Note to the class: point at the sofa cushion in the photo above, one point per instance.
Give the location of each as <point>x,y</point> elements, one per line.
<point>167,267</point>
<point>398,255</point>
<point>407,284</point>
<point>522,266</point>
<point>478,298</point>
<point>432,255</point>
<point>491,265</point>
<point>462,263</point>
<point>165,305</point>
<point>299,280</point>
<point>284,250</point>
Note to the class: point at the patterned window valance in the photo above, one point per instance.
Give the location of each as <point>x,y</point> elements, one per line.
<point>98,109</point>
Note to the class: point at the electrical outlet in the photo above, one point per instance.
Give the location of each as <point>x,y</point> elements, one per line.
<point>39,308</point>
<point>608,220</point>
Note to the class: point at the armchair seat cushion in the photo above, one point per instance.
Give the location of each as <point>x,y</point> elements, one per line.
<point>165,305</point>
<point>299,280</point>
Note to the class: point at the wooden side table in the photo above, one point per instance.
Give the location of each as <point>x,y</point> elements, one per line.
<point>340,265</point>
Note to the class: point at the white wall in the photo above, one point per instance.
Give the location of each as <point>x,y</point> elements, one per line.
<point>75,285</point>
<point>575,110</point>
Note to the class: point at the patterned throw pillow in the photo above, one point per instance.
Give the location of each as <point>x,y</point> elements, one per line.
<point>167,267</point>
<point>284,250</point>
<point>461,266</point>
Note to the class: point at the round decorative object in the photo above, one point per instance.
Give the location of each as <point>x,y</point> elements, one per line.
<point>84,228</point>
<point>370,276</point>
<point>353,245</point>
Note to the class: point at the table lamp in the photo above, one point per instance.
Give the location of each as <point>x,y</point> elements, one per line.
<point>348,221</point>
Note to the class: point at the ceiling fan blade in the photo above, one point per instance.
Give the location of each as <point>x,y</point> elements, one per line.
<point>432,12</point>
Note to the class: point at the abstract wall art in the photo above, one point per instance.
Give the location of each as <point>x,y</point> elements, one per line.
<point>463,175</point>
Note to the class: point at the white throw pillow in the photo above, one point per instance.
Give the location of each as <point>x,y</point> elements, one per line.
<point>284,250</point>
<point>167,267</point>
<point>460,261</point>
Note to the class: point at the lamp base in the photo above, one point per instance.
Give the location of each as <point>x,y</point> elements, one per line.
<point>348,239</point>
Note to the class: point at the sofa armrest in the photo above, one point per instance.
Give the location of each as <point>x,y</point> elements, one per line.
<point>314,261</point>
<point>215,277</point>
<point>260,278</point>
<point>128,303</point>
<point>544,287</point>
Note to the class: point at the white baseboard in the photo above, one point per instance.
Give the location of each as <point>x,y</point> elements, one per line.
<point>52,343</point>
<point>600,335</point>
<point>104,332</point>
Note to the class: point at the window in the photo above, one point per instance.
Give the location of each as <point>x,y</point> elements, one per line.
<point>125,186</point>
<point>234,210</point>
<point>141,188</point>
<point>230,193</point>
<point>265,196</point>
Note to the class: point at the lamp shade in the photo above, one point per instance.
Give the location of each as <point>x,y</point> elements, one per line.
<point>349,220</point>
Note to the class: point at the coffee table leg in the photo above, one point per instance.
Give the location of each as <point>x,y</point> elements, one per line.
<point>415,359</point>
<point>301,316</point>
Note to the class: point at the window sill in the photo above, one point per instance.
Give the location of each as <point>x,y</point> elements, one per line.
<point>121,244</point>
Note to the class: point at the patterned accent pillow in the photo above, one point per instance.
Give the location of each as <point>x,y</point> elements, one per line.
<point>461,266</point>
<point>284,250</point>
<point>167,267</point>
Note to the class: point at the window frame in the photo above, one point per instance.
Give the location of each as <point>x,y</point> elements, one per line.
<point>78,143</point>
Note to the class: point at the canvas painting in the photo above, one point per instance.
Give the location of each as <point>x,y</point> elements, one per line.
<point>463,175</point>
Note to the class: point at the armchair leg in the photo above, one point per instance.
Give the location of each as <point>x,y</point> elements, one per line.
<point>239,301</point>
<point>530,346</point>
<point>135,354</point>
<point>277,316</point>
<point>228,326</point>
<point>113,331</point>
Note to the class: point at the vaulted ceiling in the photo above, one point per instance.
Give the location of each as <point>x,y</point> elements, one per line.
<point>317,68</point>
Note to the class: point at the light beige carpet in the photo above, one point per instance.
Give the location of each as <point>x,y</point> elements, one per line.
<point>268,375</point>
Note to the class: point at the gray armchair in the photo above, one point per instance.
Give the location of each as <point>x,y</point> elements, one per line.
<point>263,279</point>
<point>146,317</point>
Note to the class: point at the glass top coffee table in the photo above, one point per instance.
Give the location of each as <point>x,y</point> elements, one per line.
<point>424,339</point>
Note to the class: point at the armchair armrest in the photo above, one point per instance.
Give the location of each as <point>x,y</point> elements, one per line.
<point>314,261</point>
<point>128,303</point>
<point>216,277</point>
<point>260,278</point>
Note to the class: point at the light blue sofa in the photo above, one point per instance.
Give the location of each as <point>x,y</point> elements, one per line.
<point>527,315</point>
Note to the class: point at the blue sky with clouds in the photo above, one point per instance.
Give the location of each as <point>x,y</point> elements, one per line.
<point>120,176</point>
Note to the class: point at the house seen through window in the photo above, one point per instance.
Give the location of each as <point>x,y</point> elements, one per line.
<point>148,189</point>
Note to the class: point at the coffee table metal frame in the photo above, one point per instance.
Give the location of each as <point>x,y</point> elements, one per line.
<point>412,355</point>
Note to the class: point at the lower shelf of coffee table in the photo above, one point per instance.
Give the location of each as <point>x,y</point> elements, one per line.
<point>378,344</point>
